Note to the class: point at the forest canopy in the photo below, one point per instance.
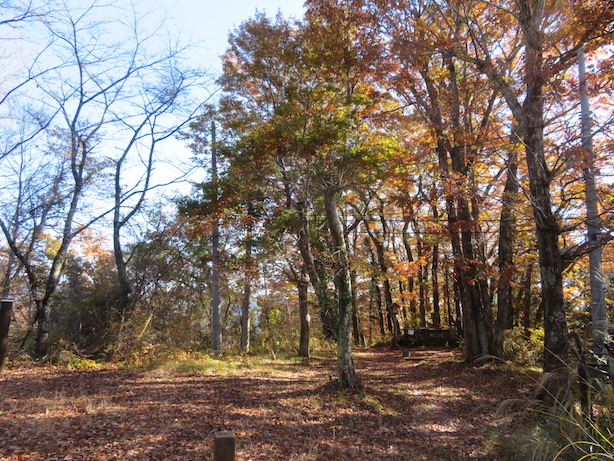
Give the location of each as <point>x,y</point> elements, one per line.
<point>369,171</point>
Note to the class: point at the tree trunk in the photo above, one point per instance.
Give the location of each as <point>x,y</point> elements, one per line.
<point>532,122</point>
<point>42,322</point>
<point>526,300</point>
<point>247,289</point>
<point>124,285</point>
<point>9,272</point>
<point>457,307</point>
<point>422,289</point>
<point>328,314</point>
<point>448,296</point>
<point>466,294</point>
<point>391,319</point>
<point>472,287</point>
<point>476,309</point>
<point>435,278</point>
<point>597,280</point>
<point>505,308</point>
<point>245,321</point>
<point>347,374</point>
<point>410,258</point>
<point>380,308</point>
<point>359,338</point>
<point>216,324</point>
<point>375,290</point>
<point>303,307</point>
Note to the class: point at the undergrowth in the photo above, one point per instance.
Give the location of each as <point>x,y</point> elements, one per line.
<point>575,425</point>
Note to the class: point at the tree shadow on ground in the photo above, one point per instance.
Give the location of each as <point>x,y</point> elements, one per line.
<point>422,410</point>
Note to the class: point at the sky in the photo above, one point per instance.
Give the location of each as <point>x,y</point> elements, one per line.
<point>204,23</point>
<point>208,22</point>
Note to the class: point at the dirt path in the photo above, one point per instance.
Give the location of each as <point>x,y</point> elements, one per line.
<point>430,408</point>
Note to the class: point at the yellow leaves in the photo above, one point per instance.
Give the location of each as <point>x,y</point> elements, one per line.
<point>92,246</point>
<point>52,244</point>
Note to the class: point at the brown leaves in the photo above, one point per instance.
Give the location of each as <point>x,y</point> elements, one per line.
<point>424,409</point>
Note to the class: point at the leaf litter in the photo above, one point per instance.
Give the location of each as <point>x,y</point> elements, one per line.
<point>431,408</point>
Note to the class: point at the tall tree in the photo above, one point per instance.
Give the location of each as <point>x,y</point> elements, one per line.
<point>297,102</point>
<point>159,112</point>
<point>598,285</point>
<point>216,324</point>
<point>536,21</point>
<point>507,228</point>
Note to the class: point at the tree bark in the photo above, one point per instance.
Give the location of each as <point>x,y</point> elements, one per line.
<point>245,321</point>
<point>478,312</point>
<point>247,289</point>
<point>383,266</point>
<point>448,296</point>
<point>345,364</point>
<point>556,354</point>
<point>422,278</point>
<point>375,290</point>
<point>303,307</point>
<point>216,324</point>
<point>597,279</point>
<point>526,300</point>
<point>435,278</point>
<point>410,258</point>
<point>328,313</point>
<point>529,114</point>
<point>505,308</point>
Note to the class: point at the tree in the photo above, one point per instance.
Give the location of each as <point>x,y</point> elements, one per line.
<point>543,61</point>
<point>598,284</point>
<point>159,111</point>
<point>474,57</point>
<point>216,326</point>
<point>262,84</point>
<point>451,103</point>
<point>91,90</point>
<point>6,310</point>
<point>296,125</point>
<point>505,262</point>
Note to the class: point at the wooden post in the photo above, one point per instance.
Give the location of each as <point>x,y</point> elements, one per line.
<point>224,446</point>
<point>6,307</point>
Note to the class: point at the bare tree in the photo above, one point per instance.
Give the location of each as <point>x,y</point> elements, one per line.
<point>160,113</point>
<point>100,78</point>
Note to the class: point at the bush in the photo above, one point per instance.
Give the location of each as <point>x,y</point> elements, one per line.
<point>522,349</point>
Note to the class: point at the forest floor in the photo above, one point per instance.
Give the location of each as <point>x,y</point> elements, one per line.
<point>432,407</point>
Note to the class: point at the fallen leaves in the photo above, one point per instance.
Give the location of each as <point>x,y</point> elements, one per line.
<point>433,409</point>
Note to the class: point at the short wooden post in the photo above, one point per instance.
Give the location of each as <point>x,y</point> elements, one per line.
<point>224,446</point>
<point>6,307</point>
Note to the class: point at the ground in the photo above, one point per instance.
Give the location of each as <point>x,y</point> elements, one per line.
<point>432,407</point>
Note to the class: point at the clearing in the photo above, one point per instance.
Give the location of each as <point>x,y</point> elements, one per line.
<point>430,408</point>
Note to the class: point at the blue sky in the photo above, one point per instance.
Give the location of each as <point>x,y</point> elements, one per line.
<point>208,22</point>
